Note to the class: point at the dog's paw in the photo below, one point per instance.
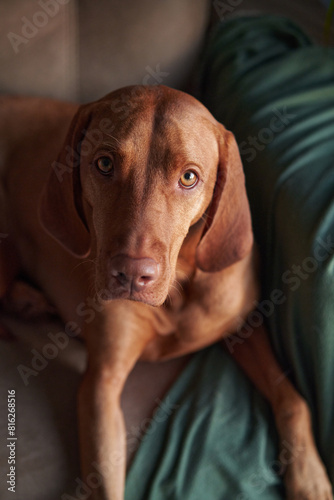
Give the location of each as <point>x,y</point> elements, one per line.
<point>27,302</point>
<point>306,478</point>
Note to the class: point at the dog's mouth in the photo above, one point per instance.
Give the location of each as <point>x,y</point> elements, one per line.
<point>149,297</point>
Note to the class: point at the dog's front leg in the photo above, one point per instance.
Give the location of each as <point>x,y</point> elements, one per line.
<point>115,341</point>
<point>305,474</point>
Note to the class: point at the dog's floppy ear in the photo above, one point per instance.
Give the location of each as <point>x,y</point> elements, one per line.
<point>228,236</point>
<point>60,209</point>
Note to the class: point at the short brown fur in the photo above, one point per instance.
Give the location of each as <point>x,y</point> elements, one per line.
<point>175,268</point>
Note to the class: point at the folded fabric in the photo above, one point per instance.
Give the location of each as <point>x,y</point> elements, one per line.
<point>266,81</point>
<point>212,437</point>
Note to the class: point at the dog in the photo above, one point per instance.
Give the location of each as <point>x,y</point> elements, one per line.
<point>146,190</point>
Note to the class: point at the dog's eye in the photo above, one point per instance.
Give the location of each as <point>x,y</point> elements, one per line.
<point>105,165</point>
<point>188,179</point>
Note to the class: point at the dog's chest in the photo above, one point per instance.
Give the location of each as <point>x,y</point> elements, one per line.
<point>210,305</point>
<point>198,308</point>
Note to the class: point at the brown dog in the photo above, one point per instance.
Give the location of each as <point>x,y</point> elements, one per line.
<point>148,193</point>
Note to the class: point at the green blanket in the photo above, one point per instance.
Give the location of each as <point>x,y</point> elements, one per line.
<point>265,80</point>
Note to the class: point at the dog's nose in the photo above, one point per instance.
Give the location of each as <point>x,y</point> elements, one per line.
<point>132,273</point>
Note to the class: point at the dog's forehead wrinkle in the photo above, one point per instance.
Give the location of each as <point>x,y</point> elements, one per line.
<point>167,125</point>
<point>167,142</point>
<point>156,142</point>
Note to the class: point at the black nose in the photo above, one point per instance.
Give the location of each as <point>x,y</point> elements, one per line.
<point>133,274</point>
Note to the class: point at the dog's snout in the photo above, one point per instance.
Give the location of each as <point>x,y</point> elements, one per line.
<point>133,274</point>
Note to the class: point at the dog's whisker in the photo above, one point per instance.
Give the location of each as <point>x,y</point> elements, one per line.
<point>183,275</point>
<point>86,261</point>
<point>177,287</point>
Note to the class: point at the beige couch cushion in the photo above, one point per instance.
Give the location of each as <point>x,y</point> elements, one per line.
<point>81,50</point>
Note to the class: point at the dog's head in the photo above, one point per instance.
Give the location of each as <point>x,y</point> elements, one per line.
<point>138,169</point>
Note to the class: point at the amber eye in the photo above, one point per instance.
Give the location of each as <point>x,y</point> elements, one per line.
<point>188,179</point>
<point>105,165</point>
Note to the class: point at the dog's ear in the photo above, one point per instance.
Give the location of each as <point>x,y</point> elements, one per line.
<point>60,209</point>
<point>228,235</point>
